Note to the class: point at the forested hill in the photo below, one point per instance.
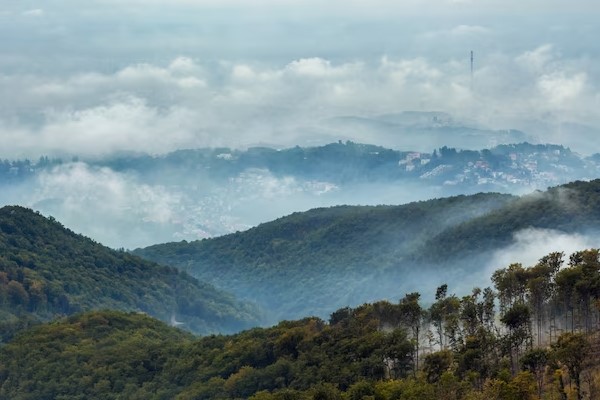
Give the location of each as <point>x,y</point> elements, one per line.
<point>47,270</point>
<point>308,263</point>
<point>571,208</point>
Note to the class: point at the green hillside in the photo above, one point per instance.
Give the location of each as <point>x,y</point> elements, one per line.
<point>574,207</point>
<point>505,343</point>
<point>309,263</point>
<point>92,356</point>
<point>47,270</point>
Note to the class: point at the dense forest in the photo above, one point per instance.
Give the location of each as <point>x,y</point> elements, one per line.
<point>573,207</point>
<point>534,335</point>
<point>311,262</point>
<point>46,271</point>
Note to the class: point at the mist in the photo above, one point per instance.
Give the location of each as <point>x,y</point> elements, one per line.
<point>103,77</point>
<point>122,209</point>
<point>532,244</point>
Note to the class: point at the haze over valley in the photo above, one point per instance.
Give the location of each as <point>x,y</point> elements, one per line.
<point>299,200</point>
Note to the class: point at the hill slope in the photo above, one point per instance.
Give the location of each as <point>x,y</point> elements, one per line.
<point>47,270</point>
<point>101,354</point>
<point>571,208</point>
<point>311,262</point>
<point>111,355</point>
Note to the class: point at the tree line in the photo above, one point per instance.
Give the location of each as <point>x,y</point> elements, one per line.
<point>534,335</point>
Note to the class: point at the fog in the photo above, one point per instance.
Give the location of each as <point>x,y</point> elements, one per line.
<point>155,76</point>
<point>124,209</point>
<point>530,245</point>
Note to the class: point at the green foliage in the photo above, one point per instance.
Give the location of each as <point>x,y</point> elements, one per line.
<point>571,349</point>
<point>46,271</point>
<point>312,262</point>
<point>114,355</point>
<point>436,364</point>
<point>363,353</point>
<point>106,355</point>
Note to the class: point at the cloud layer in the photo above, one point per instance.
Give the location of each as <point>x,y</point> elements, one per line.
<point>155,76</point>
<point>183,104</point>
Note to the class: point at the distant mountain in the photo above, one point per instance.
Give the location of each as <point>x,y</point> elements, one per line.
<point>506,166</point>
<point>418,130</point>
<point>192,194</point>
<point>311,262</point>
<point>47,270</point>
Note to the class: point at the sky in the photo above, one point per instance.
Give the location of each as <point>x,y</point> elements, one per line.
<point>106,76</point>
<point>98,77</point>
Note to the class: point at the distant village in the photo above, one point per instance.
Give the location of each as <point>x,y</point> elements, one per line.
<point>504,166</point>
<point>510,165</point>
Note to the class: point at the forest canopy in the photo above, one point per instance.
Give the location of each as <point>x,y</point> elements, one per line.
<point>533,335</point>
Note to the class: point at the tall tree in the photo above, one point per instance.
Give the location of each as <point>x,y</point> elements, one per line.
<point>411,315</point>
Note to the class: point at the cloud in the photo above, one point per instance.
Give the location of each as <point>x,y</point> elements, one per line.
<point>319,68</point>
<point>532,244</point>
<point>458,32</point>
<point>109,76</point>
<point>183,103</point>
<point>124,123</point>
<point>469,30</point>
<point>36,12</point>
<point>110,207</point>
<point>120,209</point>
<point>537,59</point>
<point>560,90</point>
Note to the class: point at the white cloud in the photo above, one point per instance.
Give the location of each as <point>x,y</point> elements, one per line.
<point>532,244</point>
<point>461,30</point>
<point>409,71</point>
<point>559,89</point>
<point>537,59</point>
<point>36,12</point>
<point>112,208</point>
<point>124,124</point>
<point>185,103</point>
<point>320,68</point>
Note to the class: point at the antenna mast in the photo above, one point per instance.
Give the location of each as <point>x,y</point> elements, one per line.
<point>472,59</point>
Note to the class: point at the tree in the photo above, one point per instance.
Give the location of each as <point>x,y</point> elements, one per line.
<point>444,315</point>
<point>570,349</point>
<point>436,364</point>
<point>566,280</point>
<point>411,315</point>
<point>535,361</point>
<point>511,285</point>
<point>588,287</point>
<point>17,294</point>
<point>517,320</point>
<point>539,290</point>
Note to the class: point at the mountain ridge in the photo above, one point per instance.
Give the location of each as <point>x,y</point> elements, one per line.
<point>48,270</point>
<point>305,263</point>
